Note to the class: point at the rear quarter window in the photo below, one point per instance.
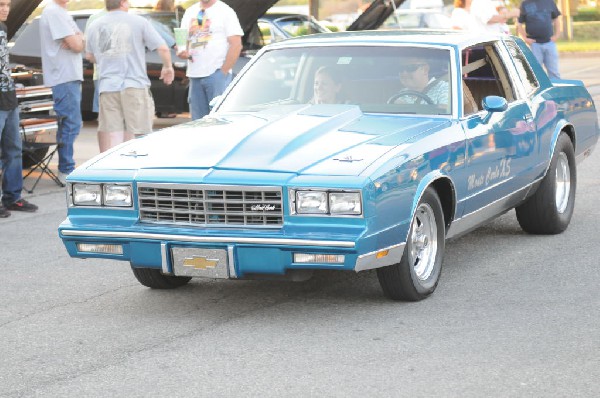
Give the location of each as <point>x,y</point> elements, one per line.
<point>528,79</point>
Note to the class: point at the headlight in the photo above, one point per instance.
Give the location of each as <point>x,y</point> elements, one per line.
<point>101,195</point>
<point>87,194</point>
<point>345,203</point>
<point>117,195</point>
<point>330,202</point>
<point>311,202</point>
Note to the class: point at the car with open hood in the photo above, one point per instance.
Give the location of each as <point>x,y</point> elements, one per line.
<point>274,183</point>
<point>259,29</point>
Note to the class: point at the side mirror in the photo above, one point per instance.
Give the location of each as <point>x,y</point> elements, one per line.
<point>214,102</point>
<point>492,104</point>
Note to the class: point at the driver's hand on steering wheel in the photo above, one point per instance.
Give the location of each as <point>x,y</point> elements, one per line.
<point>405,99</point>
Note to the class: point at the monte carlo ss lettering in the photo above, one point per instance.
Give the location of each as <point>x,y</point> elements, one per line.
<point>345,152</point>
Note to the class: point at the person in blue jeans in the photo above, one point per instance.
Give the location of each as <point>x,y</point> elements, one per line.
<point>62,64</point>
<point>213,46</point>
<point>542,29</point>
<point>11,164</point>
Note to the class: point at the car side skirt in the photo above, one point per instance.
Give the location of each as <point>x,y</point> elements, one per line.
<point>470,221</point>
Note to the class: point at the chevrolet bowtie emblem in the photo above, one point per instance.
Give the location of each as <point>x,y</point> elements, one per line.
<point>199,262</point>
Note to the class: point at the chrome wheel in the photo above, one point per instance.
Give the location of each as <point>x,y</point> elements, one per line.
<point>563,182</point>
<point>423,242</point>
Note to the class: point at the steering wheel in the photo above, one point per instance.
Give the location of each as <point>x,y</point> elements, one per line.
<point>410,93</point>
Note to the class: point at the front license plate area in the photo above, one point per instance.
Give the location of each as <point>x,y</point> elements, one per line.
<point>199,262</point>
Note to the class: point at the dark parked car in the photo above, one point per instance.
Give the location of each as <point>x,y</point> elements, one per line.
<point>168,99</point>
<point>26,50</point>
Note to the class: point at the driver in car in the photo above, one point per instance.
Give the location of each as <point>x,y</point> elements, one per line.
<point>419,87</point>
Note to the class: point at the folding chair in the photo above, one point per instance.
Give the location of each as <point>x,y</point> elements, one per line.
<point>39,147</point>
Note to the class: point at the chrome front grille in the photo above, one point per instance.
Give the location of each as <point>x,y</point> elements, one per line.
<point>210,205</point>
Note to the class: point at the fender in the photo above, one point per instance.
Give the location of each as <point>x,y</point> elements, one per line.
<point>560,126</point>
<point>370,260</point>
<point>428,180</point>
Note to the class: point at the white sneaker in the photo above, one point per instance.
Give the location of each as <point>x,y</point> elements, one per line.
<point>62,177</point>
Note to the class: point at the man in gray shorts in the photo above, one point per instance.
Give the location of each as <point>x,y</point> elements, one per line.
<point>117,43</point>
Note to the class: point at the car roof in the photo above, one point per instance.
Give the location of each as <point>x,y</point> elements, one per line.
<point>451,38</point>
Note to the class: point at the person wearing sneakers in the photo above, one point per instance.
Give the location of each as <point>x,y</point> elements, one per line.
<point>10,137</point>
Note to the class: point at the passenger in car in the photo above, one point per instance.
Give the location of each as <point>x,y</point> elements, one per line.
<point>419,87</point>
<point>328,87</point>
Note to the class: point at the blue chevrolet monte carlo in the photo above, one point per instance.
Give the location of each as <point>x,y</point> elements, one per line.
<point>276,183</point>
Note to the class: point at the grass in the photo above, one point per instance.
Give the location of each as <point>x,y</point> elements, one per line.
<point>577,46</point>
<point>586,38</point>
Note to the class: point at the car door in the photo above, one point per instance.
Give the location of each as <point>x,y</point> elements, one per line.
<point>543,110</point>
<point>499,144</point>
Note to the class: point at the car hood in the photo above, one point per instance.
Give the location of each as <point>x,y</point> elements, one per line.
<point>302,139</point>
<point>374,16</point>
<point>20,10</point>
<point>248,12</point>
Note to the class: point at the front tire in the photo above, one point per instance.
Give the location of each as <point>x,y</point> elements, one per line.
<point>417,274</point>
<point>153,278</point>
<point>550,209</point>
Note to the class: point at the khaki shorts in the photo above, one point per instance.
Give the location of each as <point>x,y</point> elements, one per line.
<point>130,110</point>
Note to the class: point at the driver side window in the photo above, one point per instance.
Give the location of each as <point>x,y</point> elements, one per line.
<point>483,74</point>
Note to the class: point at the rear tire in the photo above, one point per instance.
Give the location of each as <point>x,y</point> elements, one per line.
<point>550,209</point>
<point>417,274</point>
<point>153,278</point>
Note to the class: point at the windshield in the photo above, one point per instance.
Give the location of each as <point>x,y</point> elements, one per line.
<point>379,79</point>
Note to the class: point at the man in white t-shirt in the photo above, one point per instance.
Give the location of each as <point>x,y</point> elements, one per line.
<point>214,45</point>
<point>489,18</point>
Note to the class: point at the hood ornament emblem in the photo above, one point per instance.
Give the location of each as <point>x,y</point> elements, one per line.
<point>347,158</point>
<point>134,154</point>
